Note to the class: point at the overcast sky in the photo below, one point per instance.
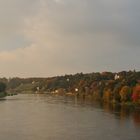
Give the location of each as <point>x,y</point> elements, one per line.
<point>41,38</point>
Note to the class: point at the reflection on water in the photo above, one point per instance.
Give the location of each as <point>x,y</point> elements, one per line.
<point>43,117</point>
<point>123,113</point>
<point>119,112</point>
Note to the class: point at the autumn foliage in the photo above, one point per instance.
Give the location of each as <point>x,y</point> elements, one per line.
<point>136,94</point>
<point>121,87</point>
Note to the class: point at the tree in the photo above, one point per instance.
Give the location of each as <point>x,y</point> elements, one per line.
<point>2,90</point>
<point>136,94</point>
<point>125,93</point>
<point>107,95</point>
<point>2,87</point>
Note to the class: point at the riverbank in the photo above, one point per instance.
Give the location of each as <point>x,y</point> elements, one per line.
<point>122,87</point>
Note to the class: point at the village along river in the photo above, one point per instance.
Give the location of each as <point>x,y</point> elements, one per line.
<point>42,117</point>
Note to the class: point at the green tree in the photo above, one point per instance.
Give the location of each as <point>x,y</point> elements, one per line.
<point>2,90</point>
<point>2,87</point>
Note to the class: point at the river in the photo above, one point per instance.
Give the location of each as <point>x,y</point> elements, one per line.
<point>43,117</point>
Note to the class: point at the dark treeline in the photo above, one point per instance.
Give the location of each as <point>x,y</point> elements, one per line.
<point>121,87</point>
<point>2,90</point>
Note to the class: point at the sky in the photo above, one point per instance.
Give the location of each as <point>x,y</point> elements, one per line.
<point>43,38</point>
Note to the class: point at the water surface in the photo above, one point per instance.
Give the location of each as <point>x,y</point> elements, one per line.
<point>40,117</point>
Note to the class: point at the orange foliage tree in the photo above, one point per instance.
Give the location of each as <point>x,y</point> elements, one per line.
<point>136,94</point>
<point>125,94</point>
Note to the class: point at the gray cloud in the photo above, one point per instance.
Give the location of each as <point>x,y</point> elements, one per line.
<point>12,14</point>
<point>69,36</point>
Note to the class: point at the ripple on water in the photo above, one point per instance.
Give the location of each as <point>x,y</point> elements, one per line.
<point>43,117</point>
